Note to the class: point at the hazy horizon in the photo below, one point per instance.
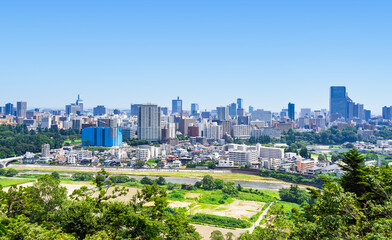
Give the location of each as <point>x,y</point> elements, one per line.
<point>210,53</point>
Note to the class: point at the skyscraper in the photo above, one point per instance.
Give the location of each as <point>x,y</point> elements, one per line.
<point>9,109</point>
<point>338,103</point>
<point>100,110</point>
<point>291,113</point>
<point>79,102</point>
<point>194,109</point>
<point>250,109</point>
<point>21,108</point>
<point>239,102</point>
<point>149,123</point>
<point>134,109</point>
<point>177,105</point>
<point>387,113</point>
<point>233,110</point>
<point>223,113</point>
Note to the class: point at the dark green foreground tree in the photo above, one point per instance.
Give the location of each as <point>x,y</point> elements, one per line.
<point>358,206</point>
<point>44,211</point>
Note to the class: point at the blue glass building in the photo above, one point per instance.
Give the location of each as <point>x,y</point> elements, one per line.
<point>102,136</point>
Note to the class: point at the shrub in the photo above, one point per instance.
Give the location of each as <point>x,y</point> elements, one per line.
<point>119,179</point>
<point>82,176</point>
<point>219,221</point>
<point>11,172</point>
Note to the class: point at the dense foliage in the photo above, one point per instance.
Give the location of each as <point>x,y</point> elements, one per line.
<point>330,136</point>
<point>294,195</point>
<point>219,221</point>
<point>297,178</point>
<point>44,211</point>
<point>16,141</point>
<point>358,206</point>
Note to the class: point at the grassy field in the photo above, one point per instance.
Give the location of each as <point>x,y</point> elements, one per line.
<point>76,141</point>
<point>6,182</point>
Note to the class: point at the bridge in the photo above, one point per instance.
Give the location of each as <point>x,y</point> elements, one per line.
<point>5,161</point>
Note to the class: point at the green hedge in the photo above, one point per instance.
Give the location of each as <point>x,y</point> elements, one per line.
<point>219,221</point>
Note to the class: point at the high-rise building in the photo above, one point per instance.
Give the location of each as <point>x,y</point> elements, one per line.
<point>205,114</point>
<point>306,112</point>
<point>240,112</point>
<point>184,123</point>
<point>72,109</point>
<point>79,102</point>
<point>101,136</point>
<point>367,114</point>
<point>9,109</point>
<point>165,111</point>
<point>149,123</point>
<point>100,110</point>
<point>233,110</point>
<point>177,105</point>
<point>250,109</point>
<point>223,113</point>
<point>262,115</point>
<point>291,111</point>
<point>45,150</point>
<point>2,110</point>
<point>134,109</point>
<point>387,113</point>
<point>194,109</point>
<point>21,108</point>
<point>239,103</point>
<point>338,103</point>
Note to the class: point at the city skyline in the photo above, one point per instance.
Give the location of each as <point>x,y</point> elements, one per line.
<point>210,53</point>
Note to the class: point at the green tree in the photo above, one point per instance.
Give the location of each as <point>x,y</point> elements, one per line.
<point>208,182</point>
<point>353,178</point>
<point>55,175</point>
<point>161,181</point>
<point>230,188</point>
<point>217,235</point>
<point>11,172</point>
<point>304,152</point>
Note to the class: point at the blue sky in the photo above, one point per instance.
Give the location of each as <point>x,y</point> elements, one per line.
<point>210,52</point>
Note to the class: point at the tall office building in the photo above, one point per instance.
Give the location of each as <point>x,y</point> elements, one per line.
<point>338,102</point>
<point>233,110</point>
<point>149,123</point>
<point>177,105</point>
<point>134,109</point>
<point>102,136</point>
<point>367,114</point>
<point>100,110</point>
<point>250,109</point>
<point>72,109</point>
<point>306,112</point>
<point>239,103</point>
<point>2,110</point>
<point>9,109</point>
<point>223,113</point>
<point>21,108</point>
<point>165,111</point>
<point>387,113</point>
<point>291,111</point>
<point>79,102</point>
<point>194,109</point>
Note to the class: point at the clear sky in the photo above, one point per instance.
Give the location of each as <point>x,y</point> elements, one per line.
<point>209,52</point>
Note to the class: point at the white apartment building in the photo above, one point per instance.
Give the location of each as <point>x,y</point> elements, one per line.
<point>269,152</point>
<point>242,157</point>
<point>241,131</point>
<point>142,154</point>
